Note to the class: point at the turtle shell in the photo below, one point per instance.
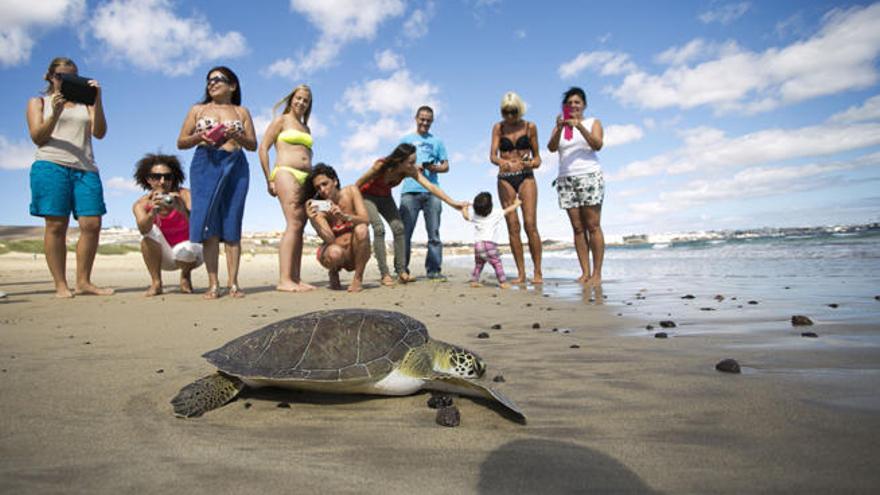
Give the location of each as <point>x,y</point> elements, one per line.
<point>325,346</point>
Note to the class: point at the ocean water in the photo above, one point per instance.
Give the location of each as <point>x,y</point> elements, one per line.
<point>781,276</point>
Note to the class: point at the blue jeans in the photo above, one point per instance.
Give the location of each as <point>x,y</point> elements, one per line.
<point>410,206</point>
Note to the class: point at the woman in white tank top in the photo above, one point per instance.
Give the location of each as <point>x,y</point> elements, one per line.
<point>580,184</point>
<point>64,178</point>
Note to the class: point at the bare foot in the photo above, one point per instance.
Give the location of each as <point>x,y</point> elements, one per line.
<point>538,278</point>
<point>476,284</point>
<point>504,285</point>
<point>186,286</point>
<point>355,285</point>
<point>303,287</point>
<point>334,280</point>
<point>153,290</point>
<point>286,286</point>
<point>387,281</point>
<point>63,292</point>
<point>583,278</point>
<point>518,280</point>
<point>235,292</point>
<point>213,292</point>
<point>91,289</point>
<point>594,281</point>
<point>406,278</point>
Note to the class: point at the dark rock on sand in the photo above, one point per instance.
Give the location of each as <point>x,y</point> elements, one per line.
<point>834,305</point>
<point>811,335</point>
<point>728,366</point>
<point>719,297</point>
<point>160,370</point>
<point>536,325</point>
<point>660,335</point>
<point>496,326</point>
<point>574,346</point>
<point>499,379</point>
<point>800,320</point>
<point>439,401</point>
<point>649,327</point>
<point>707,309</point>
<point>667,324</point>
<point>753,302</point>
<point>248,405</point>
<point>483,335</point>
<point>283,405</point>
<point>688,296</point>
<point>448,416</point>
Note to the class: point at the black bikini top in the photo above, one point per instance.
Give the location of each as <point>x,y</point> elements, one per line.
<point>522,143</point>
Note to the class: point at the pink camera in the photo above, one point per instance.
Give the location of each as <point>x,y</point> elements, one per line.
<point>566,114</point>
<point>217,134</point>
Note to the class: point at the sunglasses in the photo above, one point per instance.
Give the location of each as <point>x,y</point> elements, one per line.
<point>218,79</point>
<point>154,176</point>
<point>510,112</point>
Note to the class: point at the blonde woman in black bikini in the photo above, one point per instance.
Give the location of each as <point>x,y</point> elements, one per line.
<point>289,133</point>
<point>515,153</point>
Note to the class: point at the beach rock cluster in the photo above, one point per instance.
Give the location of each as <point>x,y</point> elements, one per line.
<point>439,401</point>
<point>667,324</point>
<point>661,335</point>
<point>448,416</point>
<point>728,366</point>
<point>800,320</point>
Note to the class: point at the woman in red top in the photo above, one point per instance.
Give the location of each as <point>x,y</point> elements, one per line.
<point>162,217</point>
<point>375,186</point>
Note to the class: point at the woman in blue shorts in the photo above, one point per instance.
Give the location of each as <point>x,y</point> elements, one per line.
<point>64,178</point>
<point>580,184</point>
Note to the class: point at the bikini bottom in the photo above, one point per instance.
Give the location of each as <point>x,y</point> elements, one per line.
<point>515,179</point>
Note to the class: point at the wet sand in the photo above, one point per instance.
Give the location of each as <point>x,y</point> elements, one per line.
<point>86,382</point>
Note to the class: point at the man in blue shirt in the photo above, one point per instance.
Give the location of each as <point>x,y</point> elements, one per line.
<point>431,160</point>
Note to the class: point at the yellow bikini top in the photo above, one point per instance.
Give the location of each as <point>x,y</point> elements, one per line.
<point>293,136</point>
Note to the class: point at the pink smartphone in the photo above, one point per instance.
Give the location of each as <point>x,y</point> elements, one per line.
<point>566,114</point>
<point>217,134</point>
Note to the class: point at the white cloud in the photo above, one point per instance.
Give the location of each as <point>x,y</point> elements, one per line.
<point>16,155</point>
<point>147,34</point>
<point>371,139</point>
<point>22,22</point>
<point>605,63</point>
<point>388,60</point>
<point>707,149</point>
<point>725,14</point>
<point>616,135</point>
<point>416,26</point>
<point>339,22</point>
<point>840,57</point>
<point>122,184</point>
<point>399,93</point>
<point>520,34</point>
<point>870,110</point>
<point>750,183</point>
<point>697,49</point>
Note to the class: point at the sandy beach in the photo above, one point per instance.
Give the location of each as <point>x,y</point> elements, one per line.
<point>86,385</point>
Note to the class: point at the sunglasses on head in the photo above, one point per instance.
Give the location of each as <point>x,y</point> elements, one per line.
<point>218,79</point>
<point>154,176</point>
<point>511,111</point>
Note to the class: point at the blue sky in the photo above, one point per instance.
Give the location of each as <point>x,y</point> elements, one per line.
<point>717,114</point>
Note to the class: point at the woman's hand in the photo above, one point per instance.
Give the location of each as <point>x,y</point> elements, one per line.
<point>93,83</point>
<point>311,209</point>
<point>465,208</point>
<point>58,102</point>
<point>270,185</point>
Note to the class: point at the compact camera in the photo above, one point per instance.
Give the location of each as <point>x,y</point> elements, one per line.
<point>167,199</point>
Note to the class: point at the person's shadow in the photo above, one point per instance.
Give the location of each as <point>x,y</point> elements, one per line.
<point>548,466</point>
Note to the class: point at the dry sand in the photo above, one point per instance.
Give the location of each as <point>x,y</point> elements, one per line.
<point>86,382</point>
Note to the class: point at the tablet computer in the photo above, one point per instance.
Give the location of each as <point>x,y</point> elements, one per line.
<point>76,89</point>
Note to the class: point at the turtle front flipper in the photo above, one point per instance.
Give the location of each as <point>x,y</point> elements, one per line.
<point>205,394</point>
<point>455,384</point>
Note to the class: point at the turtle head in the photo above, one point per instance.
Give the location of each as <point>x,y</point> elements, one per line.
<point>461,362</point>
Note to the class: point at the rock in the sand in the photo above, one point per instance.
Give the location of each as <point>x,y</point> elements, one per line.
<point>283,405</point>
<point>496,326</point>
<point>877,298</point>
<point>667,324</point>
<point>719,297</point>
<point>707,309</point>
<point>574,346</point>
<point>448,416</point>
<point>483,335</point>
<point>811,335</point>
<point>536,325</point>
<point>649,327</point>
<point>753,302</point>
<point>660,335</point>
<point>688,296</point>
<point>439,401</point>
<point>499,379</point>
<point>833,305</point>
<point>800,320</point>
<point>728,366</point>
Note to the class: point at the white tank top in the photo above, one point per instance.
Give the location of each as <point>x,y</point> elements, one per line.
<point>576,157</point>
<point>71,142</point>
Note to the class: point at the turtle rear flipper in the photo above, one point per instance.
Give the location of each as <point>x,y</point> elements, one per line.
<point>205,394</point>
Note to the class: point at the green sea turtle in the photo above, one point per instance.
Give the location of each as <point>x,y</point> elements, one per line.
<point>343,351</point>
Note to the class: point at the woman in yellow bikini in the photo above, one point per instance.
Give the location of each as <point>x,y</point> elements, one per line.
<point>289,132</point>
